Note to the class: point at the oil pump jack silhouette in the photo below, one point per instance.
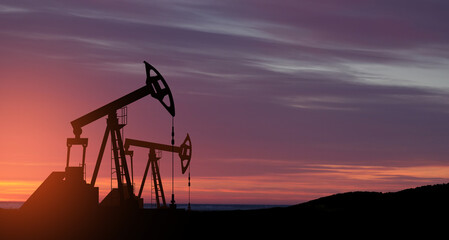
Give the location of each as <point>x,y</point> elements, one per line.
<point>69,187</point>
<point>184,151</point>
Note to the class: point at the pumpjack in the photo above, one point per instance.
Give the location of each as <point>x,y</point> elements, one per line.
<point>64,187</point>
<point>185,154</point>
<point>158,88</point>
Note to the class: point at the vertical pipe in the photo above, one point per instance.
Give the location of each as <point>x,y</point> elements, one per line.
<point>188,206</point>
<point>172,163</point>
<point>84,157</point>
<point>132,171</point>
<point>68,154</point>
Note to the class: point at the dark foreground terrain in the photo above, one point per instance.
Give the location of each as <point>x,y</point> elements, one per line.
<point>422,211</point>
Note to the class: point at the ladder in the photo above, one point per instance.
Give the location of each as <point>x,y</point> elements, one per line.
<point>159,197</point>
<point>157,185</point>
<point>122,116</point>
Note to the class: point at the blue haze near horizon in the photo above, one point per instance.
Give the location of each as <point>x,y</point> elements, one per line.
<point>195,207</point>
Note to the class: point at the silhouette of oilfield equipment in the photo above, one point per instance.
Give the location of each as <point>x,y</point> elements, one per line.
<point>68,190</point>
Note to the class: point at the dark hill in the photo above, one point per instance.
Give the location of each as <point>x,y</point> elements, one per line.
<point>422,211</point>
<point>421,199</point>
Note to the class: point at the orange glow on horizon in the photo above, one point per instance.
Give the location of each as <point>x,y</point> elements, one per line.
<point>17,191</point>
<point>291,188</point>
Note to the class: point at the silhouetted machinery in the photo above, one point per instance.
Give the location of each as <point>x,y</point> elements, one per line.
<point>184,151</point>
<point>70,189</point>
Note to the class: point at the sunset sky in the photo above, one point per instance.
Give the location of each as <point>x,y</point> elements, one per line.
<point>285,101</point>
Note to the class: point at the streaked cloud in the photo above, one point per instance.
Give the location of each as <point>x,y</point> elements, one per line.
<point>318,103</point>
<point>402,75</point>
<point>8,9</point>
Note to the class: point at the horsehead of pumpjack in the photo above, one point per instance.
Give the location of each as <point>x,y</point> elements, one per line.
<point>158,90</point>
<point>185,153</point>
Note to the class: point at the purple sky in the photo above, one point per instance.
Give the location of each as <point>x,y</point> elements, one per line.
<point>284,101</point>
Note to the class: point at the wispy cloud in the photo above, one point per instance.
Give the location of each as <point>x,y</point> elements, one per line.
<point>8,9</point>
<point>319,103</point>
<point>424,174</point>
